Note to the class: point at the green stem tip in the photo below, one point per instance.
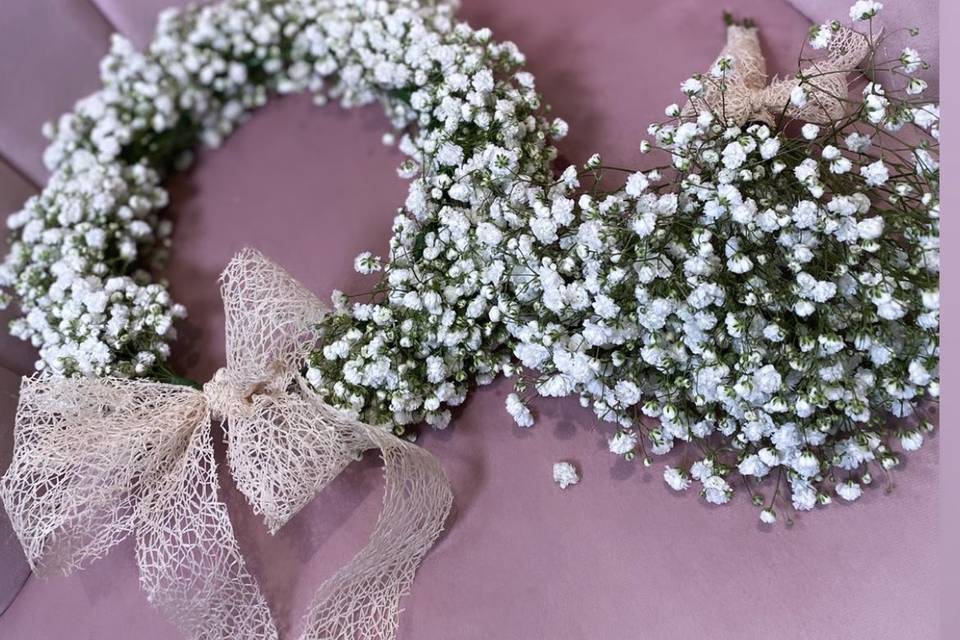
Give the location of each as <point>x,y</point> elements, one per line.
<point>729,20</point>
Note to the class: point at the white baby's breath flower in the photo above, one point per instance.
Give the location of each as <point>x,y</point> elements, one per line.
<point>519,411</point>
<point>565,474</point>
<point>769,148</point>
<point>692,87</point>
<point>807,464</point>
<point>798,96</point>
<point>734,155</point>
<point>716,490</point>
<point>701,469</point>
<point>910,60</point>
<point>857,142</point>
<point>926,116</point>
<point>916,86</point>
<point>820,35</point>
<point>865,9</point>
<point>367,263</point>
<point>875,173</point>
<point>622,442</point>
<point>636,184</point>
<point>739,263</point>
<point>911,440</point>
<point>870,228</point>
<point>676,479</point>
<point>810,131</point>
<point>849,490</point>
<point>723,66</point>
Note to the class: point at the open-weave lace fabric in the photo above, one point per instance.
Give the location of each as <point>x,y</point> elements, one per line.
<point>98,459</point>
<point>743,95</point>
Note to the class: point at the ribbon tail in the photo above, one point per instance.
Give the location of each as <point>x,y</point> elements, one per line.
<point>190,563</point>
<point>291,448</point>
<point>362,600</point>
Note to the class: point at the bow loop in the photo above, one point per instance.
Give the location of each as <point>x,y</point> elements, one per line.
<point>86,450</point>
<point>269,318</point>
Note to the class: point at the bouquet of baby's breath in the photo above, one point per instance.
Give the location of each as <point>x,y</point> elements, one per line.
<point>768,297</point>
<point>773,299</point>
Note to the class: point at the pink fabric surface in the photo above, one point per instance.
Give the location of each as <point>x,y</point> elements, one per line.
<point>616,556</point>
<point>13,566</point>
<point>15,355</point>
<point>894,18</point>
<point>136,20</point>
<point>15,358</point>
<point>49,56</point>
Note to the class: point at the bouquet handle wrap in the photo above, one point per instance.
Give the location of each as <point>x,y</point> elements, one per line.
<point>96,460</point>
<point>743,93</point>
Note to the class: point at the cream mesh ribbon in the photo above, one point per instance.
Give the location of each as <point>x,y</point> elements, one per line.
<point>98,459</point>
<point>744,94</point>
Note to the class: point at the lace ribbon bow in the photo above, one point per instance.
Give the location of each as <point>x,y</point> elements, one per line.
<point>746,95</point>
<point>98,459</point>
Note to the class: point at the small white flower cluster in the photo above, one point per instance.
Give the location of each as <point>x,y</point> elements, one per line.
<point>864,10</point>
<point>73,267</point>
<point>565,474</point>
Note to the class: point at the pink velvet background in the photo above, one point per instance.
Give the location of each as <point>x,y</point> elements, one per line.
<point>617,556</point>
